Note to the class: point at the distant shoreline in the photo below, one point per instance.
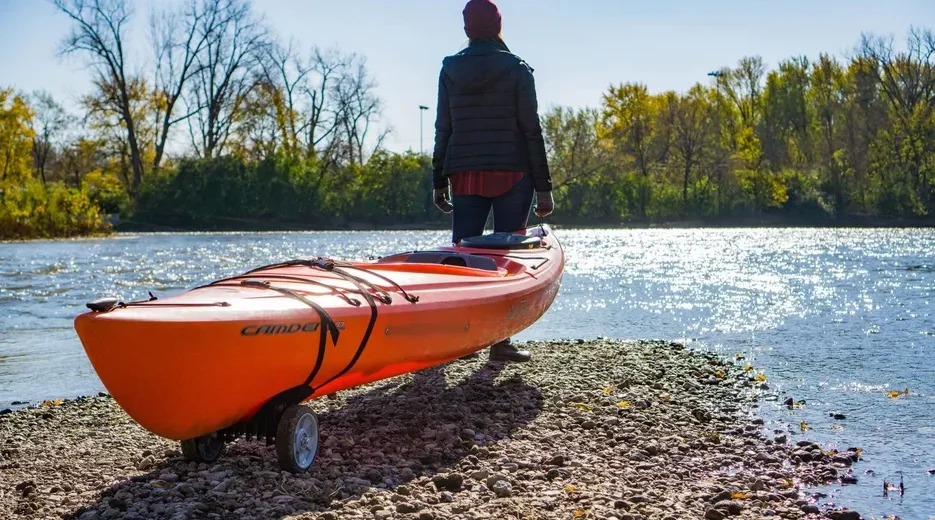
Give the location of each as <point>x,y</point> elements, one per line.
<point>129,226</point>
<point>575,223</point>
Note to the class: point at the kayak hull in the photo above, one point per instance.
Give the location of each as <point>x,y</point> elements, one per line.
<point>214,356</point>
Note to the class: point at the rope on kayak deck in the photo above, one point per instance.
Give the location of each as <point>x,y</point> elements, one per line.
<point>337,292</point>
<point>334,266</point>
<point>337,268</point>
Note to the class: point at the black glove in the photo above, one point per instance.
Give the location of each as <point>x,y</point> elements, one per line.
<point>544,203</point>
<point>442,202</point>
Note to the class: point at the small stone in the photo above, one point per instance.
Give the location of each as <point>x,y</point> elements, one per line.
<point>810,509</point>
<point>406,507</point>
<point>838,416</point>
<point>502,488</point>
<point>426,515</point>
<point>732,507</point>
<point>714,514</point>
<point>765,457</point>
<point>843,514</point>
<point>374,475</point>
<point>720,497</point>
<point>842,459</point>
<point>493,479</point>
<point>447,497</point>
<point>169,477</point>
<point>480,474</point>
<point>449,482</point>
<point>146,463</point>
<point>759,485</point>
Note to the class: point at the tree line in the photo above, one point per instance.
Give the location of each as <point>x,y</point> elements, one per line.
<point>226,125</point>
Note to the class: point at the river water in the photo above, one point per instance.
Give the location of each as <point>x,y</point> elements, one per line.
<point>834,317</point>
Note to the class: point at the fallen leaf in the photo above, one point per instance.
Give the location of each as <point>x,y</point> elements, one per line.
<point>786,483</point>
<point>608,390</point>
<point>894,394</point>
<point>579,513</point>
<point>582,406</point>
<point>569,488</point>
<point>738,495</point>
<point>719,374</point>
<point>623,404</point>
<point>760,377</point>
<point>748,367</point>
<point>803,425</point>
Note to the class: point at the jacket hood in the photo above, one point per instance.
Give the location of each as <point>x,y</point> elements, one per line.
<point>479,65</point>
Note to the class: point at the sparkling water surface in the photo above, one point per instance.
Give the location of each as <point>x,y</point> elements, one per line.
<point>834,317</point>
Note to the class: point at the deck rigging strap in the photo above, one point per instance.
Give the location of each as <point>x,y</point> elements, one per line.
<point>328,324</point>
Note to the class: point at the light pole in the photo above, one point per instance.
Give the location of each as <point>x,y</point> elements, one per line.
<point>422,108</point>
<point>717,123</point>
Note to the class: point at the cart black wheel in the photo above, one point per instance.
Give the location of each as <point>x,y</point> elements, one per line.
<point>297,438</point>
<point>207,448</point>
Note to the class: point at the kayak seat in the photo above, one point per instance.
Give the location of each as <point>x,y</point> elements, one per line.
<point>451,258</point>
<point>502,240</point>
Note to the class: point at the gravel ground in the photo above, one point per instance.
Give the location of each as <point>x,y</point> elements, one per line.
<point>589,430</point>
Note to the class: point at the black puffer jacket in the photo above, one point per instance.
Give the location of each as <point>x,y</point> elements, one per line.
<point>487,116</point>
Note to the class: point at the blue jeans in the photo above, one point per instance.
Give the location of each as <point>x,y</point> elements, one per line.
<point>510,211</point>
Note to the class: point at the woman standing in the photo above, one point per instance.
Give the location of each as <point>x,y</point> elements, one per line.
<point>489,148</point>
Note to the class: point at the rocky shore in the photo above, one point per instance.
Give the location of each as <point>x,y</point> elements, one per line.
<point>589,430</point>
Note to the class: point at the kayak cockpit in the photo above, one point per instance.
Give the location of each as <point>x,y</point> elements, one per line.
<point>452,258</point>
<point>452,262</point>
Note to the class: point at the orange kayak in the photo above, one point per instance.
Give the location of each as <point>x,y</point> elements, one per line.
<point>238,357</point>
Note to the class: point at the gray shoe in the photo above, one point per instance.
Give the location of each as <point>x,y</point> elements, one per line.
<point>505,351</point>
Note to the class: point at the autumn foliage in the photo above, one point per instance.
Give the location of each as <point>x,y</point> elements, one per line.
<point>229,126</point>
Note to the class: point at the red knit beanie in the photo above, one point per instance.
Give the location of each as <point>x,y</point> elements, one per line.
<point>481,19</point>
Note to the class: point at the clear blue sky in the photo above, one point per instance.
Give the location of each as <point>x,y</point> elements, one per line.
<point>578,48</point>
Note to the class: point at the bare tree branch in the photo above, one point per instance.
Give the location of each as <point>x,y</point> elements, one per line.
<point>98,32</point>
<point>234,39</point>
